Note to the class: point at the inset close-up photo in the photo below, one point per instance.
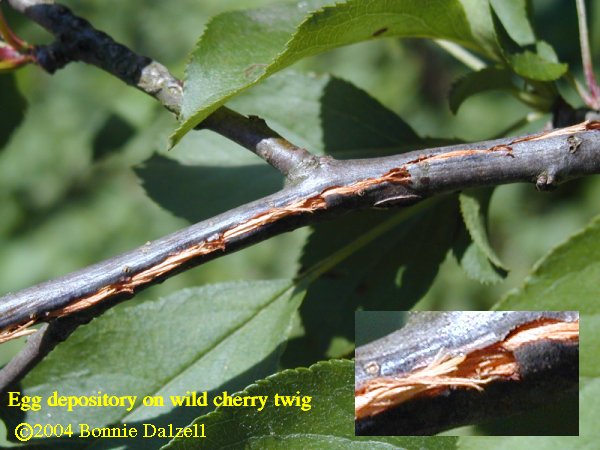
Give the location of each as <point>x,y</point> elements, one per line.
<point>443,370</point>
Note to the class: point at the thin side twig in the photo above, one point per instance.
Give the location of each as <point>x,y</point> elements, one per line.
<point>592,99</point>
<point>78,40</point>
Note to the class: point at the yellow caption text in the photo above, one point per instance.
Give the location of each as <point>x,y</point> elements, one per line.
<point>129,402</point>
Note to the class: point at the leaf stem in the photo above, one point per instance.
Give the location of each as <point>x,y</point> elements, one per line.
<point>579,88</point>
<point>337,257</point>
<point>592,99</point>
<point>462,55</point>
<point>530,117</point>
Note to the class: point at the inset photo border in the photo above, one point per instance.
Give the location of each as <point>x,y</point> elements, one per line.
<point>427,372</point>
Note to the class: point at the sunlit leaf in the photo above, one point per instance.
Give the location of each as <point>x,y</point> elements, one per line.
<point>282,35</point>
<point>327,388</point>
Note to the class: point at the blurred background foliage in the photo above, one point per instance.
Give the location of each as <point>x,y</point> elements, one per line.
<point>70,189</point>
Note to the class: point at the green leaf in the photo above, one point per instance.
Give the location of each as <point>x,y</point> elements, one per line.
<point>514,32</point>
<point>213,338</point>
<point>488,79</point>
<point>327,388</point>
<point>546,51</point>
<point>171,184</point>
<point>474,204</point>
<point>481,22</point>
<point>239,49</point>
<point>535,67</point>
<point>328,115</point>
<point>565,279</point>
<point>12,107</point>
<point>572,267</point>
<point>514,15</point>
<point>537,442</point>
<point>477,265</point>
<point>385,260</point>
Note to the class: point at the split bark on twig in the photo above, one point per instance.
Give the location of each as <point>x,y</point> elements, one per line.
<point>445,370</point>
<point>334,187</point>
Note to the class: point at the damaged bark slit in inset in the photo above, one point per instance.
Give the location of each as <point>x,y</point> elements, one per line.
<point>473,370</point>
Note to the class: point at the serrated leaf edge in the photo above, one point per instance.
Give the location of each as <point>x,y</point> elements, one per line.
<point>334,363</point>
<point>594,223</point>
<point>482,242</point>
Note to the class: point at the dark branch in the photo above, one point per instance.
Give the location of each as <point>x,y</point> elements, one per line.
<point>254,133</point>
<point>78,40</point>
<point>504,365</point>
<point>335,187</point>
